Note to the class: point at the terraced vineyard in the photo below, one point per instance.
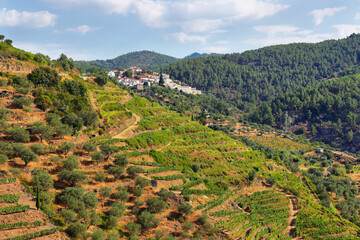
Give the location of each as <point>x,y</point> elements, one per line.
<point>19,218</point>
<point>262,215</point>
<point>280,143</point>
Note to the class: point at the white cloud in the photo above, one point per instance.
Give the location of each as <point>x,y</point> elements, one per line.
<point>320,14</point>
<point>184,37</point>
<point>357,16</point>
<point>344,30</point>
<point>12,18</point>
<point>83,29</point>
<point>216,49</point>
<point>273,30</point>
<point>189,16</point>
<point>283,34</point>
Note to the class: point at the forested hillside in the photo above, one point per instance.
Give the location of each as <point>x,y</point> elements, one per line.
<point>254,76</point>
<point>143,59</point>
<point>329,110</point>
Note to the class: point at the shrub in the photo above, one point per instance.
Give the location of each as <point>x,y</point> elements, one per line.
<point>72,177</point>
<point>187,226</point>
<point>4,113</point>
<point>76,229</point>
<point>66,147</point>
<point>100,177</point>
<point>134,170</point>
<point>105,192</point>
<point>97,157</point>
<point>117,209</point>
<point>19,134</point>
<point>38,148</point>
<point>155,204</point>
<point>98,234</point>
<point>116,171</point>
<point>121,195</point>
<point>89,147</point>
<point>185,208</point>
<point>21,102</point>
<point>121,161</point>
<point>148,220</point>
<point>42,130</point>
<point>165,194</point>
<point>142,182</point>
<point>44,76</point>
<point>3,158</point>
<point>137,191</point>
<point>68,215</point>
<point>133,228</point>
<point>112,222</point>
<point>71,163</point>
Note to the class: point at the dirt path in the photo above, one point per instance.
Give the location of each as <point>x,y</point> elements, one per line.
<point>92,101</point>
<point>293,205</point>
<point>128,132</point>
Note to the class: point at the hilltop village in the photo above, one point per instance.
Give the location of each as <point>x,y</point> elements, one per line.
<point>137,77</point>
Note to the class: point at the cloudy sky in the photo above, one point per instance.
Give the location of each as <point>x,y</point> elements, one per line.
<point>104,29</point>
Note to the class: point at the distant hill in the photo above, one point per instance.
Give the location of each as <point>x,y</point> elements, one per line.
<point>254,76</point>
<point>196,54</point>
<point>143,59</point>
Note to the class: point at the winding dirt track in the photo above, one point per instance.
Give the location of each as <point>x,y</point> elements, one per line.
<point>293,205</point>
<point>128,132</point>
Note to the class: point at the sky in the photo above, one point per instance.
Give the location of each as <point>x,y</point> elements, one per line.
<point>104,29</point>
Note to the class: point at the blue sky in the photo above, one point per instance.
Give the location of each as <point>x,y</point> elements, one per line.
<point>104,29</point>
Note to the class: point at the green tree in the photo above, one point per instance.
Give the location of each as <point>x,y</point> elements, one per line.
<point>142,182</point>
<point>117,209</point>
<point>97,157</point>
<point>100,177</point>
<point>8,42</point>
<point>71,163</point>
<point>72,177</point>
<point>133,228</point>
<point>66,147</point>
<point>76,230</point>
<point>121,161</point>
<point>102,79</point>
<point>42,179</point>
<point>98,234</point>
<point>137,191</point>
<point>134,170</point>
<point>105,192</point>
<point>148,220</point>
<point>350,136</point>
<point>2,37</point>
<point>161,81</point>
<point>117,172</point>
<point>18,134</point>
<point>43,131</point>
<point>108,150</point>
<point>122,195</point>
<point>4,112</point>
<point>89,147</point>
<point>44,76</point>
<point>68,215</point>
<point>155,205</point>
<point>185,208</point>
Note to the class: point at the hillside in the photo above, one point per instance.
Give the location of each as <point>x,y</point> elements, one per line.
<point>196,54</point>
<point>142,59</point>
<point>326,112</point>
<point>254,76</point>
<point>104,163</point>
